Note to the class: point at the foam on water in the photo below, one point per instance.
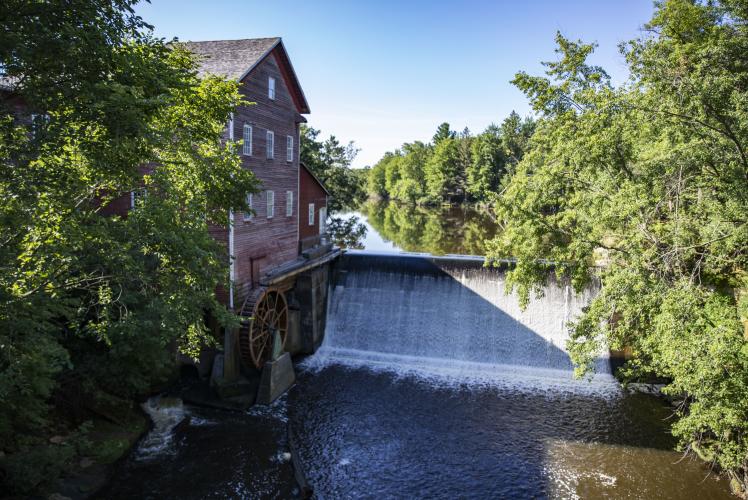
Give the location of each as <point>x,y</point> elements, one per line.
<point>451,320</point>
<point>166,414</point>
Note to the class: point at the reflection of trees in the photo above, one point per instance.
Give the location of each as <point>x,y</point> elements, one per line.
<point>436,230</point>
<point>347,233</point>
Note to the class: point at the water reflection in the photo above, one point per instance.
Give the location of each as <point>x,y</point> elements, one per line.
<point>435,230</point>
<point>600,470</point>
<point>347,231</point>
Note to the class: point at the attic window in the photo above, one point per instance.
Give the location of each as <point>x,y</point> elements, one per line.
<point>271,87</point>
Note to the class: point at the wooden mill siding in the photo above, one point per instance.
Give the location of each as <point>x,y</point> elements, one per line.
<point>312,191</point>
<point>262,243</point>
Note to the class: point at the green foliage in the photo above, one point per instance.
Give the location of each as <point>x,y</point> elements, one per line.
<point>91,304</point>
<point>441,171</point>
<point>649,179</point>
<point>443,131</point>
<point>454,167</point>
<point>330,162</point>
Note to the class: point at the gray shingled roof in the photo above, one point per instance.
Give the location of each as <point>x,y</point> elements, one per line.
<point>230,58</point>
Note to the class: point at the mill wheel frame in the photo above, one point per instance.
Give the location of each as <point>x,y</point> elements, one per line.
<point>265,311</point>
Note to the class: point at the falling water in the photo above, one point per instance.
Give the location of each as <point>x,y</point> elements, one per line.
<point>448,316</point>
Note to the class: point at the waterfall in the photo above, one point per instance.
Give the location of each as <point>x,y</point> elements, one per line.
<point>449,314</point>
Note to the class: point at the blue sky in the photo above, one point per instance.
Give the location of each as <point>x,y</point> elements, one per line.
<point>385,72</point>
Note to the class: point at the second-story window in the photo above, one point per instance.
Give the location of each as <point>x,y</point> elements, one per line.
<point>271,87</point>
<point>248,215</point>
<point>270,196</point>
<point>289,148</point>
<point>247,148</point>
<point>270,145</point>
<point>289,203</point>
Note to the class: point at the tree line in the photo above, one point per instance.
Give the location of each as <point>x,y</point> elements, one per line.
<point>453,167</point>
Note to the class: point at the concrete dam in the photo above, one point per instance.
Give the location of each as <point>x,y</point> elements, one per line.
<point>447,315</point>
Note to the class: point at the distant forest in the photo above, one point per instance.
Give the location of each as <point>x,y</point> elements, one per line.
<point>453,167</point>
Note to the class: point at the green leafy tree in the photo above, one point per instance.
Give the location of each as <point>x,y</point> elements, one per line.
<point>443,132</point>
<point>331,162</point>
<point>488,164</point>
<point>474,166</point>
<point>442,171</point>
<point>650,179</point>
<point>410,187</point>
<point>393,172</point>
<point>376,184</point>
<point>90,305</point>
<point>515,139</point>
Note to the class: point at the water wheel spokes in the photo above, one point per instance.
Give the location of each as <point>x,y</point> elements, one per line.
<point>266,311</point>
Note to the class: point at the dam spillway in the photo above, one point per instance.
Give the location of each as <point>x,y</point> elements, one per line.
<point>447,314</point>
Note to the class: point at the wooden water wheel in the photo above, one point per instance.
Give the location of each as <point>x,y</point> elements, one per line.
<point>266,312</point>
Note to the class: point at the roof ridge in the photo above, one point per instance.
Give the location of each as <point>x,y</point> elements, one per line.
<point>231,40</point>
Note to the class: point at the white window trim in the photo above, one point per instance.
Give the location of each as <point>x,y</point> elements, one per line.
<point>248,216</point>
<point>289,148</point>
<point>289,203</point>
<point>135,195</point>
<point>322,219</point>
<point>311,214</point>
<point>247,148</point>
<point>270,145</point>
<point>271,88</point>
<point>270,202</point>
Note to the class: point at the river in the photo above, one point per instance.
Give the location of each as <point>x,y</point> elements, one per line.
<point>430,383</point>
<point>393,227</point>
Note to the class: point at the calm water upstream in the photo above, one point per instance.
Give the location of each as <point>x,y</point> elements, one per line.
<point>392,227</point>
<point>431,383</point>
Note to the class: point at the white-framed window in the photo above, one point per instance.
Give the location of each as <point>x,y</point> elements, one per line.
<point>247,148</point>
<point>289,148</point>
<point>311,214</point>
<point>137,196</point>
<point>271,87</point>
<point>270,197</point>
<point>248,215</point>
<point>270,145</point>
<point>289,203</point>
<point>322,219</point>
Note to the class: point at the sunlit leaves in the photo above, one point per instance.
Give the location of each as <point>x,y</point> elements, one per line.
<point>650,181</point>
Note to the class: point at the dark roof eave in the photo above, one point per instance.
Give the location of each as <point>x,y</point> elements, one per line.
<point>315,178</point>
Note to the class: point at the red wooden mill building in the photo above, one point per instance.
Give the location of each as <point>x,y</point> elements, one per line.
<point>277,255</point>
